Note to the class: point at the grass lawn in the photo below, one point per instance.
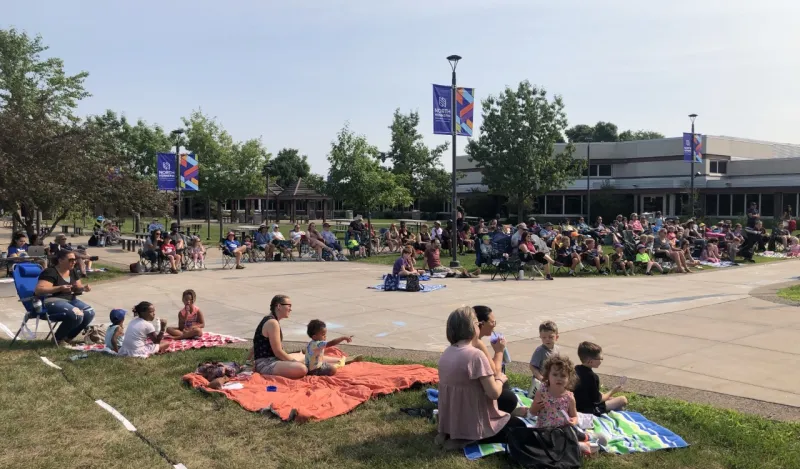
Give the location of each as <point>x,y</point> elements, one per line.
<point>790,293</point>
<point>48,421</point>
<point>111,273</point>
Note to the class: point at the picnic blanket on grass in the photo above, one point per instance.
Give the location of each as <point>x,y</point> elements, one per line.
<point>208,339</point>
<point>718,265</point>
<point>321,397</point>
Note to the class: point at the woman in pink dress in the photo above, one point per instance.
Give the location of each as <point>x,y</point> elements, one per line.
<point>469,388</point>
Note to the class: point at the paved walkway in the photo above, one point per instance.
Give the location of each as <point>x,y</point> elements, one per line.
<point>702,331</point>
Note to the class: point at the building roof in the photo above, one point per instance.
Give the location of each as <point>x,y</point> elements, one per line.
<point>300,190</point>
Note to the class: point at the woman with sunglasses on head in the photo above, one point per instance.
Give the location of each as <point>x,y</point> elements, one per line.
<point>60,285</point>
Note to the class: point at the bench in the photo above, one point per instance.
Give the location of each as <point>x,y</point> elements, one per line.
<point>65,229</point>
<point>130,244</point>
<point>78,231</point>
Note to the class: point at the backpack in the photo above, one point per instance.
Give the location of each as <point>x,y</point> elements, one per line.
<point>412,283</point>
<point>137,268</point>
<point>95,334</point>
<point>391,282</point>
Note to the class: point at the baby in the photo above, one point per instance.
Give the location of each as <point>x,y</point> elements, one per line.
<point>316,361</point>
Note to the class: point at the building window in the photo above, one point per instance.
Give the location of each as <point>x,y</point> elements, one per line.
<point>599,170</point>
<point>538,204</point>
<point>555,204</point>
<point>711,204</point>
<point>718,167</point>
<point>652,204</point>
<point>572,204</point>
<point>738,205</point>
<point>790,200</point>
<point>767,207</point>
<point>724,205</point>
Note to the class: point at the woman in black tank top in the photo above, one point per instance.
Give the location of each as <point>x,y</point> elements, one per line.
<point>270,358</point>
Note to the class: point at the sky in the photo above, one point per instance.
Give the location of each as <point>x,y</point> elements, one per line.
<point>294,72</point>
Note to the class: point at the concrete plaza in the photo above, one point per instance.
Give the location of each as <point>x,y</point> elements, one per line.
<point>701,330</point>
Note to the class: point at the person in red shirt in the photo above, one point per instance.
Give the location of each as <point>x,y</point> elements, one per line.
<point>170,252</point>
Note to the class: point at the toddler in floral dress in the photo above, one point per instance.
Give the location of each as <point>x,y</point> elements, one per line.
<point>554,404</point>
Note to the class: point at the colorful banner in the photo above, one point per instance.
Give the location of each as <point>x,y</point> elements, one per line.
<point>443,108</point>
<point>190,174</point>
<point>687,147</point>
<point>464,106</point>
<point>165,168</point>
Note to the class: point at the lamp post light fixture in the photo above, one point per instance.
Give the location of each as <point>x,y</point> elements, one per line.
<point>453,59</point>
<point>691,190</point>
<point>177,135</point>
<point>588,181</point>
<point>267,170</point>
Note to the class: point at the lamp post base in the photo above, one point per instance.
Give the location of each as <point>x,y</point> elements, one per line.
<point>455,264</point>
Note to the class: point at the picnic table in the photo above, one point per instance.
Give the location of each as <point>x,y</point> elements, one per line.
<point>410,222</point>
<point>142,235</point>
<point>246,229</point>
<point>129,243</point>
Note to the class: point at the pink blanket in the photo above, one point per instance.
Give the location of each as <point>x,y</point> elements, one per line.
<point>208,339</point>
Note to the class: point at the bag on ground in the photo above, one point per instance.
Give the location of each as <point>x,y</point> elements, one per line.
<point>412,283</point>
<point>391,282</point>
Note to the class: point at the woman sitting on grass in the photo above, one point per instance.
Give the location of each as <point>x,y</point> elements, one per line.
<point>469,388</point>
<point>270,358</point>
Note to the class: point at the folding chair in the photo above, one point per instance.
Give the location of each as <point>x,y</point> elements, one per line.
<point>26,276</point>
<point>228,259</point>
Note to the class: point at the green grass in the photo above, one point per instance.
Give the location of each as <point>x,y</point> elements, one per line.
<point>48,421</point>
<point>790,293</point>
<point>111,273</point>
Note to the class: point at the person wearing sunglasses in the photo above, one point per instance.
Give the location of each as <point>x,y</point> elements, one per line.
<point>60,286</point>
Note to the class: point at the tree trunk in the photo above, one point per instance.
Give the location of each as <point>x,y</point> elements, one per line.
<point>219,217</point>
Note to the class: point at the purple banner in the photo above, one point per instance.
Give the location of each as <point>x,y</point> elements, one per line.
<point>167,172</point>
<point>688,145</point>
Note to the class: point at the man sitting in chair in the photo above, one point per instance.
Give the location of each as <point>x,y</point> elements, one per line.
<point>235,248</point>
<point>263,241</point>
<point>330,239</point>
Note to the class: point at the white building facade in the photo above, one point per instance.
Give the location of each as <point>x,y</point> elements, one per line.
<point>653,176</point>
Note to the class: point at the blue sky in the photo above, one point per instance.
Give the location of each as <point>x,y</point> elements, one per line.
<point>293,72</point>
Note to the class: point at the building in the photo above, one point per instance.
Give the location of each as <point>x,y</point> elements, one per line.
<point>651,175</point>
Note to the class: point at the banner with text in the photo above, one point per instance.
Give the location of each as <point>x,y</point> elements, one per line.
<point>166,170</point>
<point>190,174</point>
<point>442,110</point>
<point>688,145</point>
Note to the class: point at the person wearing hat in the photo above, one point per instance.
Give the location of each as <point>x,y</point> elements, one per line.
<point>357,230</point>
<point>263,241</point>
<point>643,258</point>
<point>114,334</point>
<point>547,233</point>
<point>84,261</point>
<point>154,225</point>
<point>235,248</point>
<point>330,240</point>
<point>517,236</point>
<point>619,263</point>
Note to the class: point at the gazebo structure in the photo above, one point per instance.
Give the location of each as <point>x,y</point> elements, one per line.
<point>301,202</point>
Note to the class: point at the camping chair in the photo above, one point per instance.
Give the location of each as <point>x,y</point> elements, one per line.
<point>502,263</point>
<point>26,276</point>
<point>228,259</point>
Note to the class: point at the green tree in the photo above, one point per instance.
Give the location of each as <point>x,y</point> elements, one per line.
<point>139,143</point>
<point>357,178</point>
<point>630,135</point>
<point>580,133</point>
<point>516,149</point>
<point>417,167</point>
<point>288,166</point>
<point>228,170</point>
<point>317,182</point>
<point>30,85</point>
<point>605,132</point>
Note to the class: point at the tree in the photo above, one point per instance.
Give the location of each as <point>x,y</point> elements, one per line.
<point>139,143</point>
<point>289,166</point>
<point>607,132</point>
<point>357,178</point>
<point>30,85</point>
<point>417,167</point>
<point>516,149</point>
<point>228,170</point>
<point>630,135</point>
<point>317,182</point>
<point>50,161</point>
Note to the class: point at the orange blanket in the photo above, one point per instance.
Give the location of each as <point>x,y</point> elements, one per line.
<point>322,397</point>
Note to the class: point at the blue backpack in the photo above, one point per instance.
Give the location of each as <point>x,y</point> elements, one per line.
<point>391,282</point>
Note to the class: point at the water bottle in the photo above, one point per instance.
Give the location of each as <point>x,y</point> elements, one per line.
<point>521,274</point>
<point>494,338</point>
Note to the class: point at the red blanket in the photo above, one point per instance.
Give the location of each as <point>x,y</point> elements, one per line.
<point>322,397</point>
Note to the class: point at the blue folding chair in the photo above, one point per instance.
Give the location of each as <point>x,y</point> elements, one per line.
<point>26,276</point>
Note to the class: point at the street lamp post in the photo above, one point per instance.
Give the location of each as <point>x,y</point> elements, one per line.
<point>453,59</point>
<point>177,134</point>
<point>267,170</point>
<point>691,190</point>
<point>588,182</point>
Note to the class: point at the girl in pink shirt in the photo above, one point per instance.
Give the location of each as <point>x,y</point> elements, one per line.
<point>190,319</point>
<point>636,225</point>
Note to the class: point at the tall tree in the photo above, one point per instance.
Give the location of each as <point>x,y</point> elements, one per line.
<point>516,149</point>
<point>228,170</point>
<point>139,143</point>
<point>580,133</point>
<point>606,132</point>
<point>357,178</point>
<point>630,135</point>
<point>30,85</point>
<point>288,166</point>
<point>417,167</point>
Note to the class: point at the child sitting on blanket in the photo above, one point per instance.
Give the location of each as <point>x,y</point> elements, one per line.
<point>588,398</point>
<point>554,403</point>
<point>190,319</point>
<point>794,249</point>
<point>316,361</point>
<point>140,329</point>
<point>114,334</point>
